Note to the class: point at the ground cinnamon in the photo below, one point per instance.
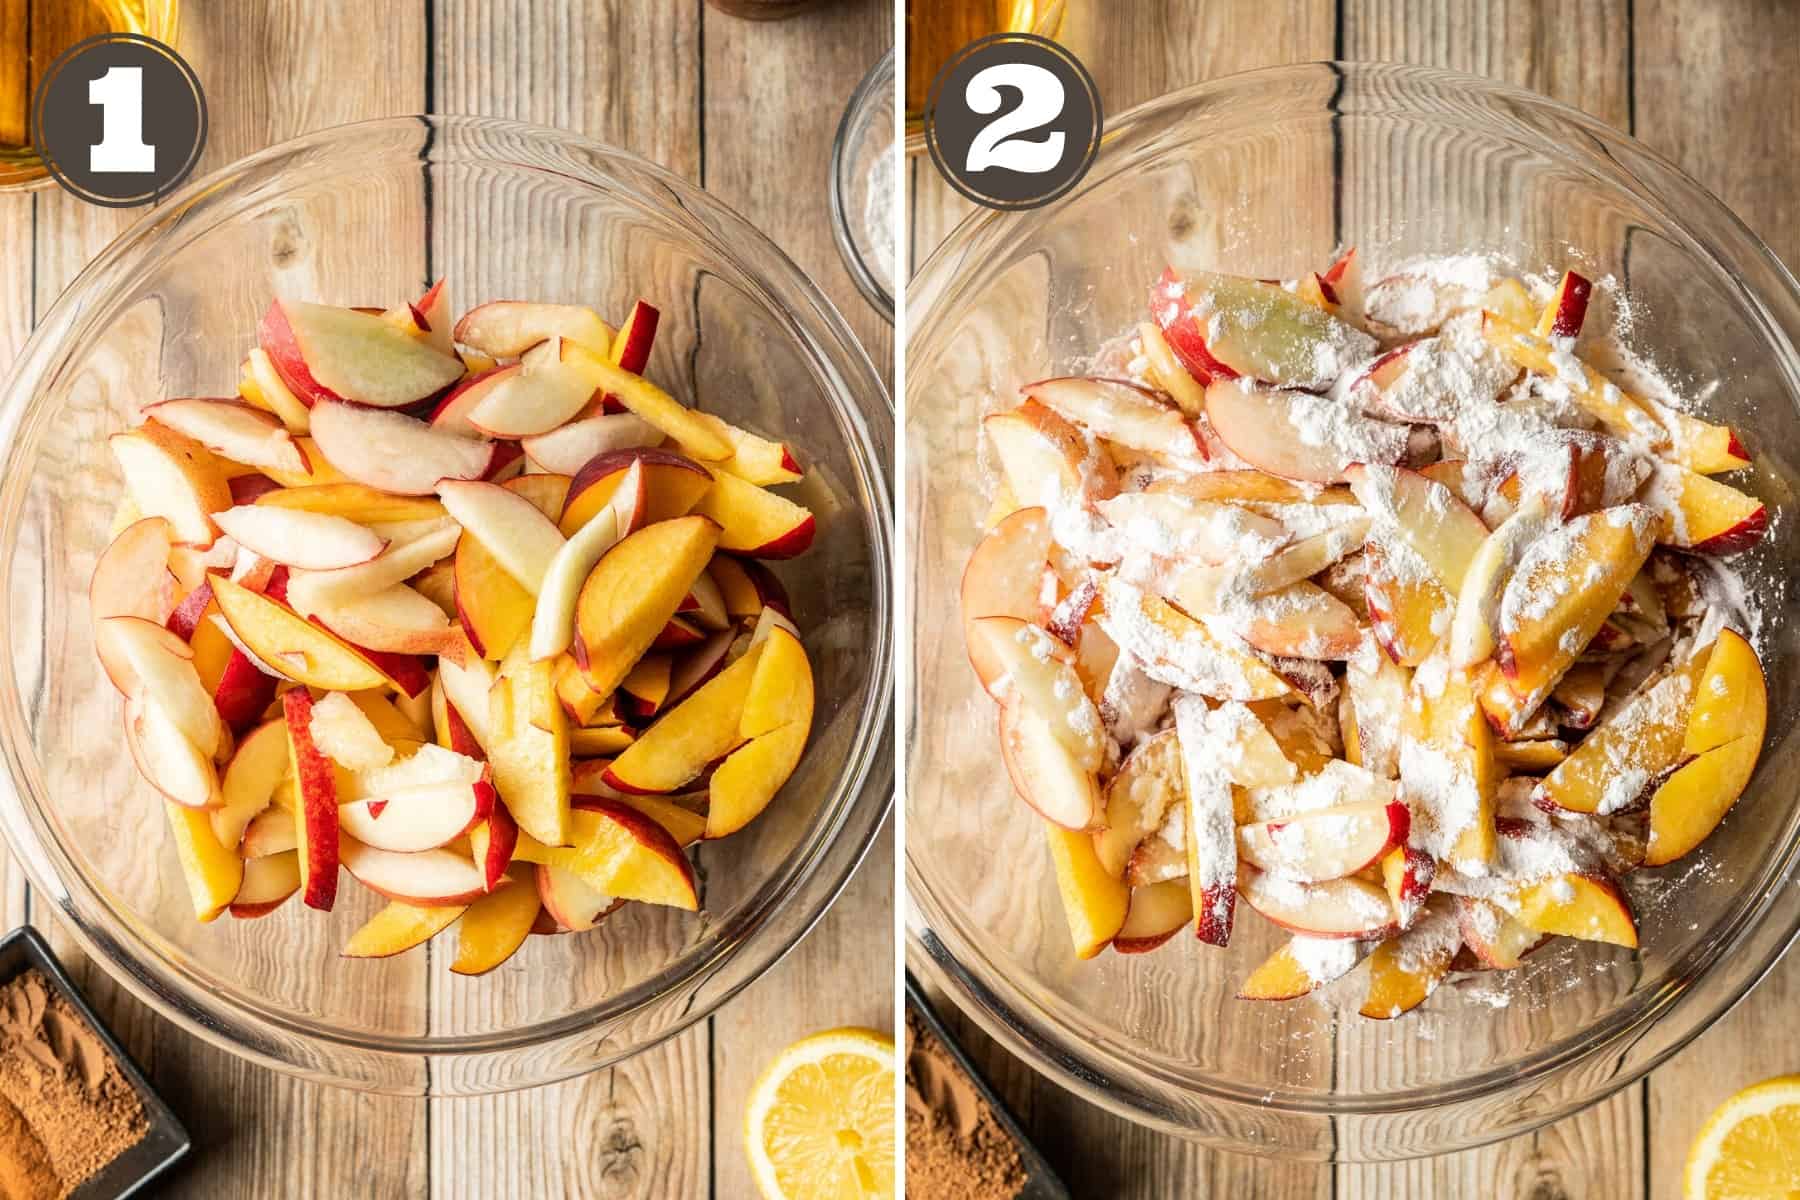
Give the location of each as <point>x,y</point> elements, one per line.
<point>955,1149</point>
<point>74,1111</point>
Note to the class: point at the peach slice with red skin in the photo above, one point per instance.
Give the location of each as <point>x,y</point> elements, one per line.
<point>1138,798</point>
<point>1212,859</point>
<point>1498,941</point>
<point>1004,577</point>
<point>144,660</point>
<point>514,531</point>
<point>690,737</point>
<point>298,538</point>
<point>648,401</point>
<point>495,926</point>
<point>574,905</point>
<point>132,577</point>
<point>634,590</point>
<point>1350,907</point>
<point>1094,902</point>
<point>542,395</point>
<point>1704,516</point>
<point>1616,765</point>
<point>316,824</point>
<point>1262,331</point>
<point>508,328</point>
<point>1406,610</point>
<point>172,477</point>
<point>1262,426</point>
<point>746,782</point>
<point>248,785</point>
<point>569,447</point>
<point>494,609</point>
<point>266,886</point>
<point>1045,774</point>
<point>272,831</point>
<point>428,879</point>
<point>1121,412</point>
<point>1428,517</point>
<point>755,521</point>
<point>553,618</point>
<point>353,501</point>
<point>621,852</point>
<point>1586,906</point>
<point>1036,672</point>
<point>1154,915</point>
<point>1564,588</point>
<point>1174,313</point>
<point>1044,457</point>
<point>754,459</point>
<point>422,818</point>
<point>326,354</point>
<point>1328,844</point>
<point>673,484</point>
<point>394,452</point>
<point>233,430</point>
<point>1567,309</point>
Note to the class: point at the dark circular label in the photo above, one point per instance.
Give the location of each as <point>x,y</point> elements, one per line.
<point>119,119</point>
<point>1013,121</point>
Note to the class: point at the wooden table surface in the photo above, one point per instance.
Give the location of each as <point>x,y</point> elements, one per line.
<point>1710,83</point>
<point>746,109</point>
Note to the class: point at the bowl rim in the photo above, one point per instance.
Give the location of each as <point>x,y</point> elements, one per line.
<point>868,92</point>
<point>854,806</point>
<point>1015,1014</point>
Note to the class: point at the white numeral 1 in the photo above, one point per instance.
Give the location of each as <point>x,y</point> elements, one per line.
<point>120,95</point>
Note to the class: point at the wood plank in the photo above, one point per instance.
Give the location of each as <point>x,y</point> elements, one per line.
<point>1714,92</point>
<point>1137,51</point>
<point>627,74</point>
<point>774,94</point>
<point>1577,54</point>
<point>260,1133</point>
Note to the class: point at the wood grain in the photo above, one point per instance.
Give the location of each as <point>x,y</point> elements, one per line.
<point>1715,92</point>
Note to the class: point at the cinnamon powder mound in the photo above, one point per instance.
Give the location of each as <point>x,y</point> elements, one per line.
<point>955,1149</point>
<point>75,1112</point>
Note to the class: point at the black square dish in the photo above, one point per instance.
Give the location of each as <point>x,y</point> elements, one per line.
<point>165,1141</point>
<point>1041,1182</point>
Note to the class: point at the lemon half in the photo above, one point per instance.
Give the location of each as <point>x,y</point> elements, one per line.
<point>1749,1148</point>
<point>820,1124</point>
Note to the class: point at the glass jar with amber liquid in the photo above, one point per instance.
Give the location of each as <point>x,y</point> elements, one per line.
<point>936,29</point>
<point>33,34</point>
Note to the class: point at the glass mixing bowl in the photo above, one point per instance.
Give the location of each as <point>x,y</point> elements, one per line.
<point>366,214</point>
<point>1265,174</point>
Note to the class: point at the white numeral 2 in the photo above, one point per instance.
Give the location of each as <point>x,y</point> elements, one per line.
<point>120,95</point>
<point>1041,101</point>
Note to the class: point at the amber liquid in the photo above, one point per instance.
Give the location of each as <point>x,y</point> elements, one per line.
<point>33,33</point>
<point>936,29</point>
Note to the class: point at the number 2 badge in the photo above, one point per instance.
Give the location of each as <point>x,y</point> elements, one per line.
<point>1013,121</point>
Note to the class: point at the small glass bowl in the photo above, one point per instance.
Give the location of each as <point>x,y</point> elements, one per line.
<point>862,181</point>
<point>365,214</point>
<point>1266,174</point>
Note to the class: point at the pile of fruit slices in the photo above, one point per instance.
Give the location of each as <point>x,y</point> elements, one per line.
<point>472,610</point>
<point>1381,608</point>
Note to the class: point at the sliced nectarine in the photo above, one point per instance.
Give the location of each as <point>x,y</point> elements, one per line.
<point>634,591</point>
<point>528,747</point>
<point>172,477</point>
<point>1589,907</point>
<point>213,870</point>
<point>399,927</point>
<point>756,521</point>
<point>1094,902</point>
<point>495,926</point>
<point>689,737</point>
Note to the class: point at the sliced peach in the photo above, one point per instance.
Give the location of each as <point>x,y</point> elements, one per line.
<point>1691,802</point>
<point>1623,414</point>
<point>1138,799</point>
<point>623,853</point>
<point>495,926</point>
<point>574,905</point>
<point>1005,577</point>
<point>399,927</point>
<point>1265,428</point>
<point>263,386</point>
<point>1616,766</point>
<point>1327,844</point>
<point>1509,300</point>
<point>1486,576</point>
<point>1705,516</point>
<point>1408,611</point>
<point>248,784</point>
<point>1044,772</point>
<point>325,353</point>
<point>1372,712</point>
<point>1167,372</point>
<point>641,694</point>
<point>528,748</point>
<point>1351,907</point>
<point>273,830</point>
<point>1442,531</point>
<point>1702,446</point>
<point>1212,858</point>
<point>233,431</point>
<point>1405,970</point>
<point>673,484</point>
<point>267,884</point>
<point>428,879</point>
<point>1045,458</point>
<point>690,737</point>
<point>1407,874</point>
<point>132,578</point>
<point>316,824</point>
<point>1036,672</point>
<point>648,401</point>
<point>1563,315</point>
<point>738,588</point>
<point>633,592</point>
<point>1094,902</point>
<point>507,328</point>
<point>1447,760</point>
<point>172,477</point>
<point>1498,941</point>
<point>1121,412</point>
<point>1589,907</point>
<point>782,691</point>
<point>292,645</point>
<point>1565,587</point>
<point>414,549</point>
<point>749,778</point>
<point>1732,699</point>
<point>1301,965</point>
<point>1262,331</point>
<point>754,459</point>
<point>494,608</point>
<point>1153,916</point>
<point>755,521</point>
<point>394,452</point>
<point>213,871</point>
<point>1176,647</point>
